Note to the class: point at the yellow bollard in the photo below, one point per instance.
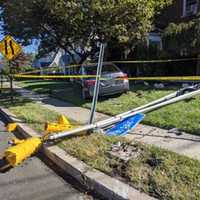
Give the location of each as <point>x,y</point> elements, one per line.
<point>23,149</point>
<point>14,155</point>
<point>62,125</point>
<point>63,120</point>
<point>11,127</point>
<point>54,127</point>
<point>15,141</point>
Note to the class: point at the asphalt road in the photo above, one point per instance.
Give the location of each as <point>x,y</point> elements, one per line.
<point>33,180</point>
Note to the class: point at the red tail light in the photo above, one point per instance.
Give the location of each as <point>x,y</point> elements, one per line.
<point>89,83</point>
<point>123,77</point>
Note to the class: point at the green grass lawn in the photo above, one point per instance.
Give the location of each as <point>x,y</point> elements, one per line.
<point>182,115</point>
<point>160,173</point>
<point>31,113</point>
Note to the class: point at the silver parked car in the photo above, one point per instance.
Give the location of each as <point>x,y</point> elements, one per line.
<point>114,80</point>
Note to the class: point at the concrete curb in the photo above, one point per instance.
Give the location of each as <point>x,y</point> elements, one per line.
<point>100,183</point>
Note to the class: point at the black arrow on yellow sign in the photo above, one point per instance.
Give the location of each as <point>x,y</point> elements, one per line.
<point>10,48</point>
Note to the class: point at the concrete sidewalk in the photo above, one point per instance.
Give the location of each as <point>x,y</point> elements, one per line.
<point>185,144</point>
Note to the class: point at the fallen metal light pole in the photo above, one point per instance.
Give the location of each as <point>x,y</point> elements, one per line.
<point>162,99</point>
<point>169,99</point>
<point>141,107</point>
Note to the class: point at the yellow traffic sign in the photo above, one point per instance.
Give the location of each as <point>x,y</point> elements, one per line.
<point>10,48</point>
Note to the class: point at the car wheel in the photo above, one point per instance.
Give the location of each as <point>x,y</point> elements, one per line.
<point>91,91</point>
<point>85,94</point>
<point>126,91</point>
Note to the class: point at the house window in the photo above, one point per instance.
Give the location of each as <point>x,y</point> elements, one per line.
<point>154,40</point>
<point>190,7</point>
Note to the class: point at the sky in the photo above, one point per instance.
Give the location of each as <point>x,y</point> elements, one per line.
<point>28,49</point>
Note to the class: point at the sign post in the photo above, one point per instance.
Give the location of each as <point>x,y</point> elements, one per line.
<point>10,49</point>
<point>11,81</point>
<point>97,83</point>
<point>1,74</point>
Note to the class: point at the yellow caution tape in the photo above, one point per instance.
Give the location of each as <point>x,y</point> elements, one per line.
<point>157,78</point>
<point>32,76</point>
<point>115,61</point>
<point>53,76</point>
<point>166,78</point>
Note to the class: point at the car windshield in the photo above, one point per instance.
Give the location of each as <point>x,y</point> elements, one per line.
<point>106,69</point>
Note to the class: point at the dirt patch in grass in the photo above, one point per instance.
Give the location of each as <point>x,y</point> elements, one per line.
<point>160,173</point>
